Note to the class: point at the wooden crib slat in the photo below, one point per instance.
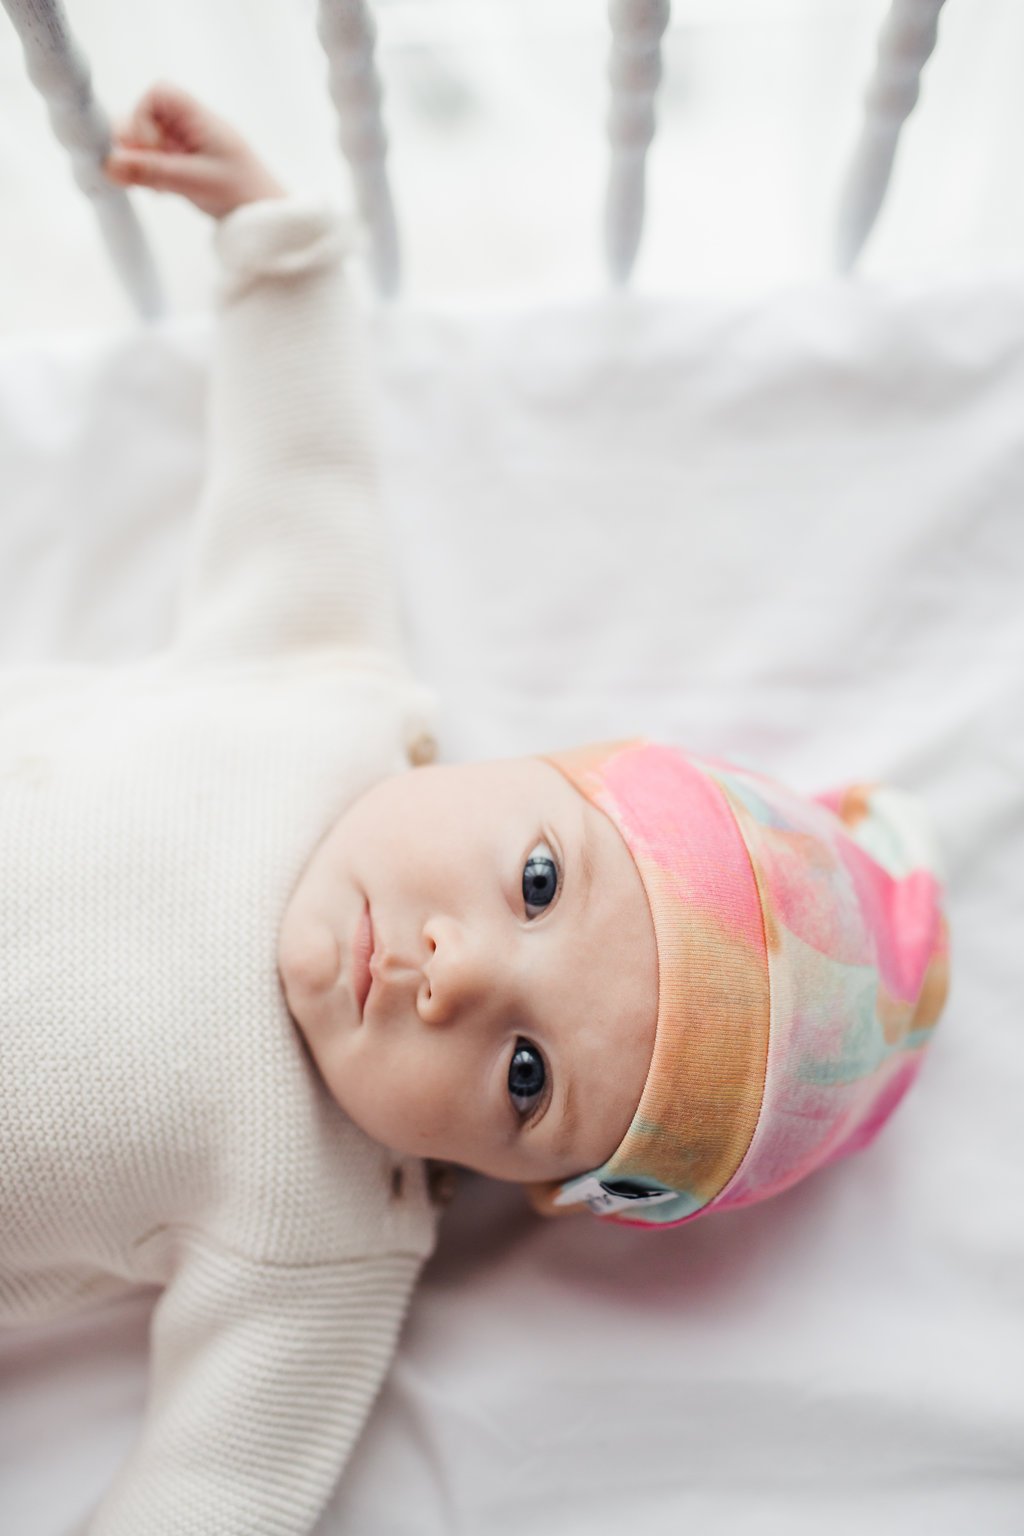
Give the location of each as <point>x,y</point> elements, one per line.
<point>58,68</point>
<point>634,72</point>
<point>905,44</point>
<point>347,32</point>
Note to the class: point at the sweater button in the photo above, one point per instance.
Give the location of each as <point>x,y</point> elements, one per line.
<point>422,750</point>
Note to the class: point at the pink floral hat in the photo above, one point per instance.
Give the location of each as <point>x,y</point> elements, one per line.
<point>802,965</point>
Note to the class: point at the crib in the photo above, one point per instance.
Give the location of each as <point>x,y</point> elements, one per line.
<point>780,526</point>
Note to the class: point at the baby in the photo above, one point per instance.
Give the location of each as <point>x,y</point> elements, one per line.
<point>256,974</point>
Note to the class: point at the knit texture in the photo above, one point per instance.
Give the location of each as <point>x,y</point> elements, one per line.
<point>161,1122</point>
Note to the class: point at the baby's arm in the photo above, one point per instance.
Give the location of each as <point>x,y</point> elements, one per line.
<point>288,553</point>
<point>261,1378</point>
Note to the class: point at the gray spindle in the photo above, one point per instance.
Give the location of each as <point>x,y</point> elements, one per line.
<point>905,44</point>
<point>57,67</point>
<point>348,35</point>
<point>634,71</point>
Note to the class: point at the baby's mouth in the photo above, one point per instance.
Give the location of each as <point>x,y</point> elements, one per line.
<point>362,952</point>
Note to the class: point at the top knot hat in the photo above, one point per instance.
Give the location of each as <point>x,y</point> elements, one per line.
<point>802,964</point>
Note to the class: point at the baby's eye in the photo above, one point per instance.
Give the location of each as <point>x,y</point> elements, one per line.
<point>526,1077</point>
<point>540,879</point>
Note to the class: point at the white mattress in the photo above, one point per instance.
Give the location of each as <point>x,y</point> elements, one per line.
<point>789,533</point>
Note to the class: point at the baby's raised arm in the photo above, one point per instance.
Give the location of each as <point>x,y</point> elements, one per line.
<point>288,555</point>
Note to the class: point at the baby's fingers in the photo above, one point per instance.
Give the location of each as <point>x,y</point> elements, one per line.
<point>199,178</point>
<point>215,183</point>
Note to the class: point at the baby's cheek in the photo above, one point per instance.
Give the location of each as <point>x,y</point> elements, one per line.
<point>402,1098</point>
<point>424,1111</point>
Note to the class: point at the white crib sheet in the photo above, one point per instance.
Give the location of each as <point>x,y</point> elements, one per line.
<point>790,534</point>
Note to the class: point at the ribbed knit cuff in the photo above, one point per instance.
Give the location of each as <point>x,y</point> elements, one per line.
<point>279,236</point>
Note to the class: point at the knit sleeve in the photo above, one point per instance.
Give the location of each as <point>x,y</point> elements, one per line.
<point>288,550</point>
<point>261,1378</point>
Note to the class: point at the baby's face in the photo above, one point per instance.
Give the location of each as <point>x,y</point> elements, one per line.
<point>513,984</point>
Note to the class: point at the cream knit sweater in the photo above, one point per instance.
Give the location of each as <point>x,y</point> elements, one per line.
<point>161,1122</point>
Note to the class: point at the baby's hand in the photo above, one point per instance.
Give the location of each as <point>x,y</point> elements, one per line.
<point>173,143</point>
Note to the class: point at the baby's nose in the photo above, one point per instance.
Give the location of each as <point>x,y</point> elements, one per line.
<point>458,973</point>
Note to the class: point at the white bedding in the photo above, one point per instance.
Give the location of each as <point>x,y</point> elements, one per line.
<point>791,534</point>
